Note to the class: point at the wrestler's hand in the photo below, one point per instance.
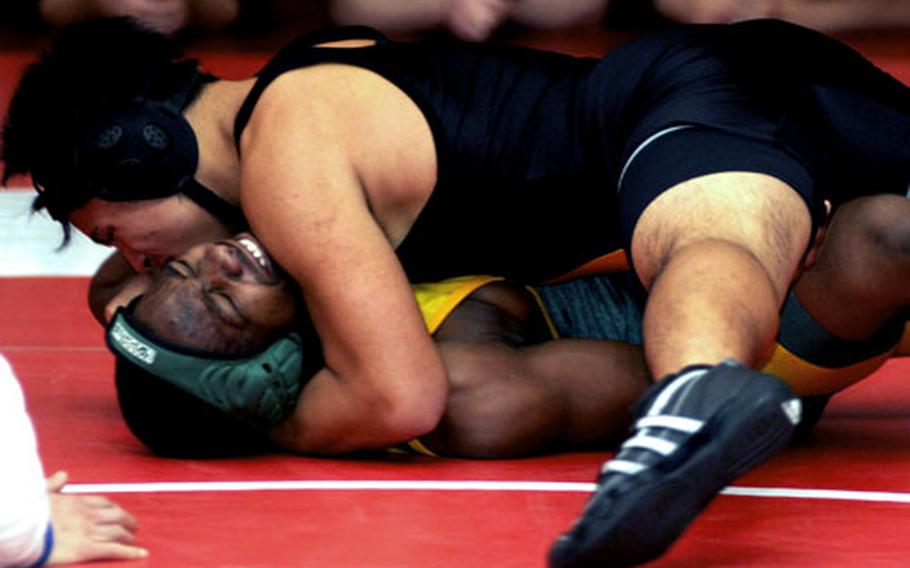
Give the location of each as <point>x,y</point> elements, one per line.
<point>89,527</point>
<point>114,284</point>
<point>475,20</point>
<point>135,286</point>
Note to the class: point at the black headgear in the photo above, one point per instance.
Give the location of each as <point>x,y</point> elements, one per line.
<point>260,389</point>
<point>143,149</point>
<point>184,402</point>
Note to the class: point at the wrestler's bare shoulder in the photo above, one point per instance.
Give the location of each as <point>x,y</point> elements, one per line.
<point>341,113</point>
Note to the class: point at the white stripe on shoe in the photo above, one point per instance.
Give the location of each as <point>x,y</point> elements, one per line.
<point>623,466</point>
<point>653,419</point>
<point>663,399</point>
<point>678,423</point>
<point>644,442</point>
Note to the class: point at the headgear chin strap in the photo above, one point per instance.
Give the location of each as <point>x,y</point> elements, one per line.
<point>261,390</point>
<point>145,149</point>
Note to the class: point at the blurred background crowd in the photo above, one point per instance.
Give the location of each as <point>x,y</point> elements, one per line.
<point>271,22</point>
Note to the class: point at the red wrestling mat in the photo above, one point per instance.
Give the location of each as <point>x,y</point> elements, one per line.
<point>842,500</point>
<point>845,498</point>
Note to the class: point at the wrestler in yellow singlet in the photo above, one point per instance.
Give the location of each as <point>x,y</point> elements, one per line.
<point>811,360</point>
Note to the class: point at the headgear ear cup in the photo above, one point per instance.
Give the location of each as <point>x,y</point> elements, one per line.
<point>142,150</point>
<point>260,389</point>
<point>146,149</point>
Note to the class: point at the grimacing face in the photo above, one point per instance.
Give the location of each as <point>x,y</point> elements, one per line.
<point>225,297</point>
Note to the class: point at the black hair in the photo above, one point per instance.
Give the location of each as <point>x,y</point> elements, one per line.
<point>89,68</point>
<point>173,423</point>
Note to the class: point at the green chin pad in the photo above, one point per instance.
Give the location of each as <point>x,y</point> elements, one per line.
<point>261,390</point>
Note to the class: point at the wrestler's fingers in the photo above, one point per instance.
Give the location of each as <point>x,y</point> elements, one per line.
<point>56,482</point>
<point>119,516</point>
<point>94,501</point>
<point>116,550</point>
<point>80,513</point>
<point>92,551</point>
<point>113,514</point>
<point>113,532</point>
<point>97,509</point>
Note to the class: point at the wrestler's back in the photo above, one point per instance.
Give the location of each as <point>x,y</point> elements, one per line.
<point>530,145</point>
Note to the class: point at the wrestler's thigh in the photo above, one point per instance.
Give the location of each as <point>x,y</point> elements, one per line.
<point>758,212</point>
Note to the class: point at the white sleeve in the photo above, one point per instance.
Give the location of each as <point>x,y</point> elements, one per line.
<point>24,504</point>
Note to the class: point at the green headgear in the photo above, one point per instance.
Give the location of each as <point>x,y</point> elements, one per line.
<point>260,390</point>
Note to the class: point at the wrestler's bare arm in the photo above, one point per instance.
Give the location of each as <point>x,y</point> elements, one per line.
<point>560,395</point>
<point>113,285</point>
<point>514,391</point>
<point>312,183</point>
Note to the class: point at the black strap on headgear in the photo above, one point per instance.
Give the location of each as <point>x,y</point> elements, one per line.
<point>146,149</point>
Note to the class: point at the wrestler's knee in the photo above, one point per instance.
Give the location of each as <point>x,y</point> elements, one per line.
<point>759,214</point>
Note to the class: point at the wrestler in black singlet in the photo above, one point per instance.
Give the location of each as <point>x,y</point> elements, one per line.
<point>531,145</point>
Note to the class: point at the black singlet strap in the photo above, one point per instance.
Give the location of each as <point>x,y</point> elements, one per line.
<point>274,67</point>
<point>213,203</point>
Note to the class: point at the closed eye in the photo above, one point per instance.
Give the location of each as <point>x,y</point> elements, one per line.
<point>216,301</point>
<point>179,268</point>
<point>222,305</point>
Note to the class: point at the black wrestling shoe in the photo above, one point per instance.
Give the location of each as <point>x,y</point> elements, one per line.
<point>697,431</point>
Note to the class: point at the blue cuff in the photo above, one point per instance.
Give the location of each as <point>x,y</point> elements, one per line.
<point>48,547</point>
